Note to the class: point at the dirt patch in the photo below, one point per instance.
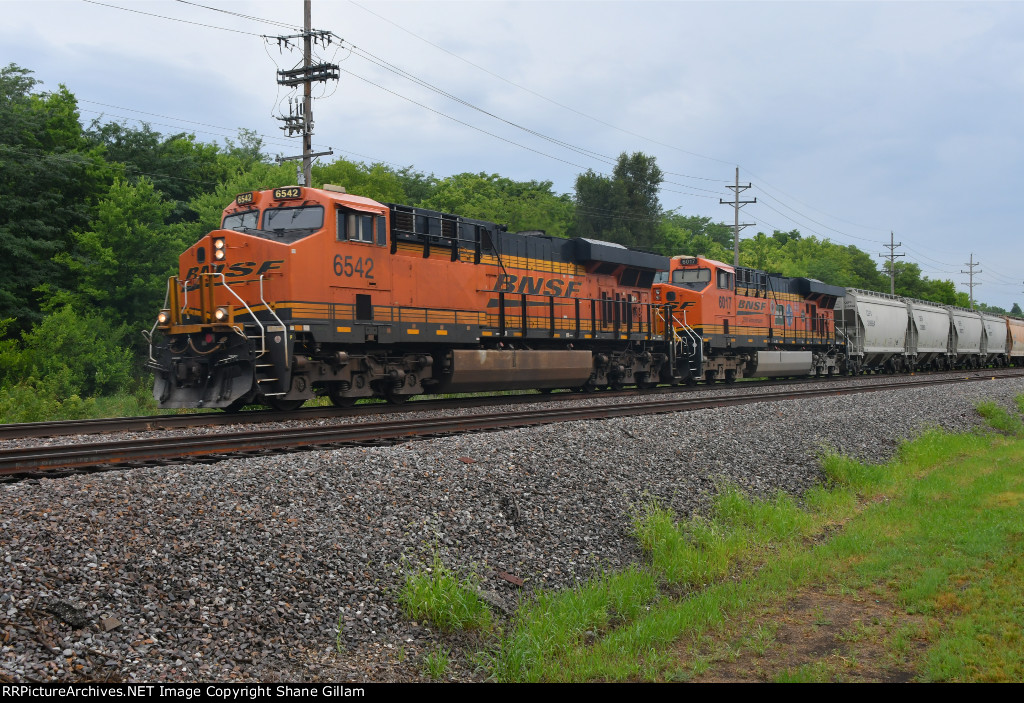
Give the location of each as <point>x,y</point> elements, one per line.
<point>814,636</point>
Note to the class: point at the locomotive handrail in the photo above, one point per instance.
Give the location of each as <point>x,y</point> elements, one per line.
<point>263,343</point>
<point>273,312</point>
<point>152,331</point>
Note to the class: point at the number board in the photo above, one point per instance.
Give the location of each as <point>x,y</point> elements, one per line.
<point>289,193</point>
<point>687,261</point>
<point>244,198</point>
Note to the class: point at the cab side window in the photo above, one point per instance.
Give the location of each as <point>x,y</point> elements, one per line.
<point>725,280</point>
<point>355,226</point>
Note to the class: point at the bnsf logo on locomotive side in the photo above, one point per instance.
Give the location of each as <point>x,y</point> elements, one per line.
<point>242,268</point>
<point>535,285</point>
<point>752,305</point>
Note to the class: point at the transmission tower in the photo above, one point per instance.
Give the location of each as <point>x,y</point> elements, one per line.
<point>299,119</point>
<point>892,261</point>
<point>970,271</point>
<point>737,204</point>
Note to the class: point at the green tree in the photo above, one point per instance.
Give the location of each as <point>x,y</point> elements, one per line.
<point>120,264</point>
<point>522,205</point>
<point>1016,311</point>
<point>179,166</point>
<point>74,354</point>
<point>375,181</point>
<point>624,207</point>
<point>50,178</point>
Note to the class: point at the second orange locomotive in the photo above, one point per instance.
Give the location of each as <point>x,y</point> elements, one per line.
<point>735,322</point>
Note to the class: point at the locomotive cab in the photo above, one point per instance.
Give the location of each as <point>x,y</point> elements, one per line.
<point>750,323</point>
<point>306,291</point>
<point>231,319</point>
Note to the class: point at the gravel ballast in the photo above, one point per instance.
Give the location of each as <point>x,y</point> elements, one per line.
<point>288,567</point>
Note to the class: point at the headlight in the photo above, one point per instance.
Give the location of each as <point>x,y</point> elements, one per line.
<point>218,243</point>
<point>220,314</point>
<point>163,317</point>
<point>218,254</point>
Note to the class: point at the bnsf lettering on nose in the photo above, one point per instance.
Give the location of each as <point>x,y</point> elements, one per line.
<point>536,285</point>
<point>243,268</point>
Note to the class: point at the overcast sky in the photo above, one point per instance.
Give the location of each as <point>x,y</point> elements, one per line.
<point>850,119</point>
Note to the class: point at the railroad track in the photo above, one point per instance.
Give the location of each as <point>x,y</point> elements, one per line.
<point>57,460</point>
<point>218,418</point>
<point>60,428</point>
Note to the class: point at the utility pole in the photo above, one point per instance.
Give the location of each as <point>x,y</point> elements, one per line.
<point>970,271</point>
<point>892,261</point>
<point>737,204</point>
<point>300,116</point>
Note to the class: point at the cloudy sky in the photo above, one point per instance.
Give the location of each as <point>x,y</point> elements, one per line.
<point>850,119</point>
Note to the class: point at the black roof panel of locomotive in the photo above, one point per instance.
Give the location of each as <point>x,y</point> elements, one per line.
<point>606,252</point>
<point>442,229</point>
<point>783,284</point>
<point>812,286</point>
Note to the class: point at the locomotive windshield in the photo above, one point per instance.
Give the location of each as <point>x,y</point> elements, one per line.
<point>290,218</point>
<point>694,279</point>
<point>240,221</point>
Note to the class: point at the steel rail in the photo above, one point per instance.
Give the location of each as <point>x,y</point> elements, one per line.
<point>214,418</point>
<point>205,448</point>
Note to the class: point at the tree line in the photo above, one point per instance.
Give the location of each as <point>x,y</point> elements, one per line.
<point>95,215</point>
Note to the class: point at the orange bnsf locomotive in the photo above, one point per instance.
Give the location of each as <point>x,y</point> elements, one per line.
<point>309,291</point>
<point>734,322</point>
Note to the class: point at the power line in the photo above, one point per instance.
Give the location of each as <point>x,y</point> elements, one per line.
<point>173,19</point>
<point>266,137</point>
<point>277,23</point>
<point>544,97</point>
<point>820,224</point>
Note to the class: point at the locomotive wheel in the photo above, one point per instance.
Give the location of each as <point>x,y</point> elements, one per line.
<point>643,382</point>
<point>236,405</point>
<point>616,385</point>
<point>397,399</point>
<point>337,399</point>
<point>285,405</point>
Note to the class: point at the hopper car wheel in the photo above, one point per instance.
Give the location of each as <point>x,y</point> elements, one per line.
<point>730,376</point>
<point>616,385</point>
<point>285,405</point>
<point>397,399</point>
<point>545,391</point>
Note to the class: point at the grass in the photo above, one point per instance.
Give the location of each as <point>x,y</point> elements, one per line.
<point>437,594</point>
<point>435,664</point>
<point>908,570</point>
<point>905,571</point>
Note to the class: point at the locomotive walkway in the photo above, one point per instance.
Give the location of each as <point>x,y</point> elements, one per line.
<point>58,460</point>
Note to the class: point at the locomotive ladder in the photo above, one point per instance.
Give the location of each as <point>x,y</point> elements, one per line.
<point>681,345</point>
<point>262,376</point>
<point>693,360</point>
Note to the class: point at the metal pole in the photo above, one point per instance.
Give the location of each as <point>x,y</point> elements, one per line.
<point>307,99</point>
